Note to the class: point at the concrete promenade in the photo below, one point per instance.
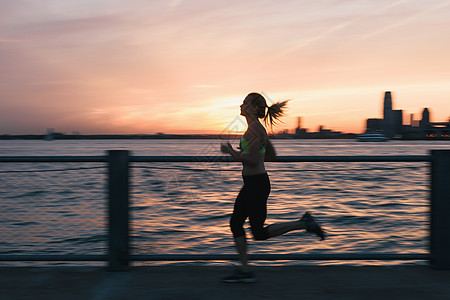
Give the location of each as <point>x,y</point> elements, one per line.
<point>203,282</point>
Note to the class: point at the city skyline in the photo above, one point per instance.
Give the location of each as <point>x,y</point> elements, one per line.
<point>391,124</point>
<point>131,67</point>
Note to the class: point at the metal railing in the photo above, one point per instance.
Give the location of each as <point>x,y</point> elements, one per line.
<point>119,255</point>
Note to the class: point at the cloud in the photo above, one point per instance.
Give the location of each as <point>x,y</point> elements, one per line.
<point>336,27</point>
<point>204,86</point>
<point>70,31</point>
<point>8,40</point>
<point>407,19</point>
<point>174,3</point>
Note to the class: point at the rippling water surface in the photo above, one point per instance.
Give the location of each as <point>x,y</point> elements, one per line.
<point>182,208</point>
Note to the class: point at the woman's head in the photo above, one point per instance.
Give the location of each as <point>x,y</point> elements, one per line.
<point>255,105</point>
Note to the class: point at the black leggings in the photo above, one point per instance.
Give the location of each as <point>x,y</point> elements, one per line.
<point>252,203</point>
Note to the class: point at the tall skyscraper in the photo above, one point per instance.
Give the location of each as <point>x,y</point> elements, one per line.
<point>425,122</point>
<point>392,119</point>
<point>388,115</point>
<point>387,103</point>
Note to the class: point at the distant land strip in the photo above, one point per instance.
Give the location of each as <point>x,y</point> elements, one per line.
<point>61,136</point>
<point>224,136</point>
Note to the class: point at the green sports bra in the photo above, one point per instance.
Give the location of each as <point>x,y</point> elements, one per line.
<point>243,145</point>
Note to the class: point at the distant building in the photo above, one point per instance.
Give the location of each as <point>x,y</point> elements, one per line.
<point>392,123</point>
<point>299,131</point>
<point>321,133</point>
<point>425,129</point>
<point>374,125</point>
<point>425,122</point>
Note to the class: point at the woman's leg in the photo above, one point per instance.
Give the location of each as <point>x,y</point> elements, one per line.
<point>306,222</point>
<point>258,192</point>
<point>284,227</point>
<point>236,223</point>
<point>241,246</point>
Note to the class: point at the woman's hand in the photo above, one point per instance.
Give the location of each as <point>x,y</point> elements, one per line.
<point>226,148</point>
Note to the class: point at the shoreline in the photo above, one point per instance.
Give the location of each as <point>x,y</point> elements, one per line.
<point>59,136</point>
<point>312,136</point>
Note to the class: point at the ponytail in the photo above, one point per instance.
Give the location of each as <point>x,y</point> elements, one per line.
<point>274,112</point>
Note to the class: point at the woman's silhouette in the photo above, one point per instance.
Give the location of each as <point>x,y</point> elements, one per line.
<point>251,202</point>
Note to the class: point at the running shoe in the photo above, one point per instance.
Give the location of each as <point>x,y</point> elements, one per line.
<point>240,276</point>
<point>312,226</point>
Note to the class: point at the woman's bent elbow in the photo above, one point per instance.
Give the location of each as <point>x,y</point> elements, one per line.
<point>270,158</point>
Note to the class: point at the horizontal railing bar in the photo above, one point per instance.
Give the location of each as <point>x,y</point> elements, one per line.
<point>6,257</point>
<point>196,159</point>
<point>53,159</point>
<point>332,256</point>
<point>401,158</point>
<point>357,158</point>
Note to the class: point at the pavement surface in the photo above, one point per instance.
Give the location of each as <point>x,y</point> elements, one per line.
<point>203,282</point>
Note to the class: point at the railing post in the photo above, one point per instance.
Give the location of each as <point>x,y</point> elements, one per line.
<point>118,210</point>
<point>440,209</point>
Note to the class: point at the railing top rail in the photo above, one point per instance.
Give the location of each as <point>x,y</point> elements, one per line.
<point>404,158</point>
<point>53,158</point>
<point>366,158</point>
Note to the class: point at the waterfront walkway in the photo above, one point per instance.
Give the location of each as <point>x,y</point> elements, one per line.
<point>201,282</point>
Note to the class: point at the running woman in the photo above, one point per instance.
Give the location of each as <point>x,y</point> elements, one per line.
<point>251,202</point>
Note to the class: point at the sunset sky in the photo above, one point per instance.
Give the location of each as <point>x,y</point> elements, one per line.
<point>174,66</point>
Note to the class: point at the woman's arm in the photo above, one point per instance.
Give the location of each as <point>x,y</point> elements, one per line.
<point>271,155</point>
<point>250,158</point>
<point>228,149</point>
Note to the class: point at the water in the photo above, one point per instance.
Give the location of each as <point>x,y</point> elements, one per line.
<point>365,207</point>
